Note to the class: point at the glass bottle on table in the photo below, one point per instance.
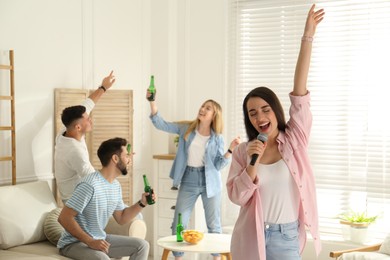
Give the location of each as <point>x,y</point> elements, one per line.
<point>148,189</point>
<point>179,229</point>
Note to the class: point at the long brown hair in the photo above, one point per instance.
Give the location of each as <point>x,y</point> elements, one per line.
<point>216,124</point>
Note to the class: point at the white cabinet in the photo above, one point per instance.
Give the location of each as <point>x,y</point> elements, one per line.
<point>165,206</point>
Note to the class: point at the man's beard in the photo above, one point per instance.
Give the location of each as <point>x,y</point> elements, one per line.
<point>122,167</point>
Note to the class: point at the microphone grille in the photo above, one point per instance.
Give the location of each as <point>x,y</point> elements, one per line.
<point>262,137</point>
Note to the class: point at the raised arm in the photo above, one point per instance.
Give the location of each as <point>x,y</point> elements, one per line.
<point>107,82</point>
<point>303,62</point>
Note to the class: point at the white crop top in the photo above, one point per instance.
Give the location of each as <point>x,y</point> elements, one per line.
<point>197,150</point>
<point>279,193</point>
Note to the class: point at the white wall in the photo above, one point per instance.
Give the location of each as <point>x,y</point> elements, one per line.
<point>187,53</point>
<point>74,44</point>
<point>69,44</point>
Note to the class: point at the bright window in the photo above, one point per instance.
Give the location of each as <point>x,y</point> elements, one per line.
<point>349,81</point>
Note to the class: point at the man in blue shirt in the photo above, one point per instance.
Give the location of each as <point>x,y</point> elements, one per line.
<point>97,197</point>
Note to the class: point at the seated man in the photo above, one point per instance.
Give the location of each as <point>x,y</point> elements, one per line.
<point>97,197</point>
<point>71,159</point>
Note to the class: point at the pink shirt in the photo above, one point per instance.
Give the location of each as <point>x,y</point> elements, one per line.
<point>248,240</point>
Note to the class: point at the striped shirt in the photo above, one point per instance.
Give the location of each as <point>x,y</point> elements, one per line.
<point>95,200</point>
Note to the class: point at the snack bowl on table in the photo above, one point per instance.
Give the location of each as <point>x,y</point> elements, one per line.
<point>192,236</point>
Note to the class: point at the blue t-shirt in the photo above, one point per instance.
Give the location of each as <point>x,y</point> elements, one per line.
<point>95,200</point>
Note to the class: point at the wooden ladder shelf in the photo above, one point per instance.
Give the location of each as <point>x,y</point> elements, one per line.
<point>11,97</point>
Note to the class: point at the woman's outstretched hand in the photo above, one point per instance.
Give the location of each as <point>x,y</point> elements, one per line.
<point>148,94</point>
<point>313,19</point>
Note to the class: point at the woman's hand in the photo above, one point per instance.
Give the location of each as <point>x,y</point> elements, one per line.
<point>148,94</point>
<point>153,104</point>
<point>236,141</point>
<point>256,147</point>
<point>303,62</point>
<point>313,19</point>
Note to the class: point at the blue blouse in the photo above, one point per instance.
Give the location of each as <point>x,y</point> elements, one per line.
<point>214,156</point>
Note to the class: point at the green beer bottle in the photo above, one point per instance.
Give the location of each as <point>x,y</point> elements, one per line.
<point>179,230</point>
<point>152,89</point>
<point>149,189</point>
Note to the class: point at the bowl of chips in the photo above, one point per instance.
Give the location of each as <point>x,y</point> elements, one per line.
<point>192,236</point>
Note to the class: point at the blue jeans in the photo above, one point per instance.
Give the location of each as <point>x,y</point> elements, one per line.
<point>193,185</point>
<point>281,241</point>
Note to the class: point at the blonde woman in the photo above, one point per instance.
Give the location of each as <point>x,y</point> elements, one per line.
<point>196,168</point>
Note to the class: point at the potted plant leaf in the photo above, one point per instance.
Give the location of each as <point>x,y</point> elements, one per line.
<point>173,144</point>
<point>358,223</point>
<point>176,140</point>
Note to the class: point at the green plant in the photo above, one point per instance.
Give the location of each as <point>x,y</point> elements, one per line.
<point>357,217</point>
<point>176,140</point>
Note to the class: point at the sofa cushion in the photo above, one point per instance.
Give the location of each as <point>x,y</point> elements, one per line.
<point>51,227</point>
<point>23,211</point>
<point>385,247</point>
<point>9,255</point>
<point>44,249</point>
<point>364,256</point>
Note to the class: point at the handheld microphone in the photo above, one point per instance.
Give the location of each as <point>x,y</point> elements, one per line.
<point>263,138</point>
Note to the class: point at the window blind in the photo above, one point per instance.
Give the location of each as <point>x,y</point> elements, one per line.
<point>348,80</point>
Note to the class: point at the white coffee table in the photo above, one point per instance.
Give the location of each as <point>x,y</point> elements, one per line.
<point>211,243</point>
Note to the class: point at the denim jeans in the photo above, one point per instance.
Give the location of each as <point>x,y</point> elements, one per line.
<point>281,241</point>
<point>193,185</point>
